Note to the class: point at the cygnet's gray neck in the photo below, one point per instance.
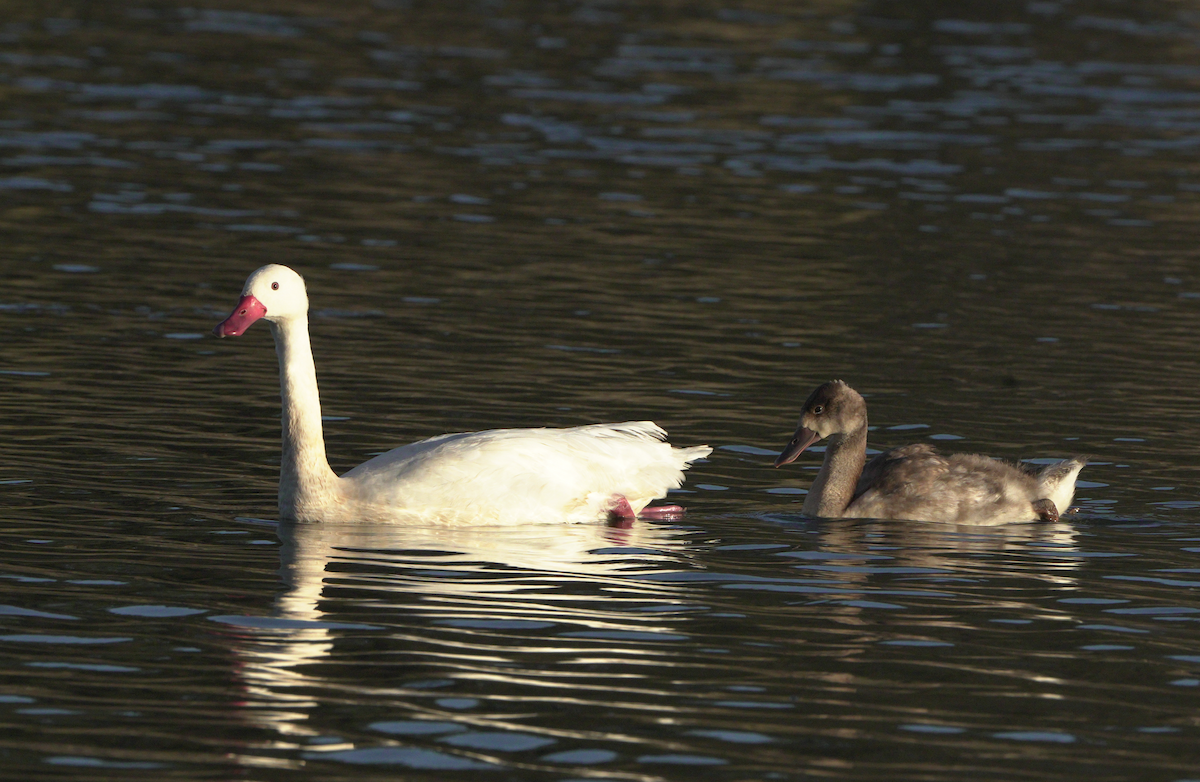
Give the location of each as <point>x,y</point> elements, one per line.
<point>833,488</point>
<point>305,479</point>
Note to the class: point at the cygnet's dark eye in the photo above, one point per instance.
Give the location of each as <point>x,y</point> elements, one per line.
<point>274,286</point>
<point>818,409</point>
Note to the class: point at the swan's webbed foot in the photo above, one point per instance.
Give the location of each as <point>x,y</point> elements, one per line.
<point>621,513</point>
<point>662,512</point>
<point>1046,510</point>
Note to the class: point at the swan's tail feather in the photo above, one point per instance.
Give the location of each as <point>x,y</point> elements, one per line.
<point>636,458</point>
<point>689,455</point>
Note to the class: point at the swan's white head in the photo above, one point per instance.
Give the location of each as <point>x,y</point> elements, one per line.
<point>273,293</point>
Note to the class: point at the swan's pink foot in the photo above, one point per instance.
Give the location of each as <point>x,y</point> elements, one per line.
<point>619,508</point>
<point>662,512</point>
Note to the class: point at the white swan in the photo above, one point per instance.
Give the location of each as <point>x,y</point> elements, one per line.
<point>505,476</point>
<point>915,481</point>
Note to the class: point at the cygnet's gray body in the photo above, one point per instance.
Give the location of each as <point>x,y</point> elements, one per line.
<point>915,481</point>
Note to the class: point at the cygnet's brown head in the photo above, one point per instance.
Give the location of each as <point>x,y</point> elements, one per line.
<point>834,408</point>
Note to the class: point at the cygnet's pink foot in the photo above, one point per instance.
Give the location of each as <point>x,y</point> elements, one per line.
<point>662,512</point>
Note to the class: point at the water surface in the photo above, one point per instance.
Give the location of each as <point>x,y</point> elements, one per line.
<point>528,214</point>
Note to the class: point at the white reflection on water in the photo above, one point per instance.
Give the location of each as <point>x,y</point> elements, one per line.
<point>478,588</point>
<point>508,605</point>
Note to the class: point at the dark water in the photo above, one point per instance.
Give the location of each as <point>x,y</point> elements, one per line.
<point>983,216</point>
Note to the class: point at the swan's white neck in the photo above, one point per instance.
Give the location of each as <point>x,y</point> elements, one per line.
<point>306,483</point>
<point>833,488</point>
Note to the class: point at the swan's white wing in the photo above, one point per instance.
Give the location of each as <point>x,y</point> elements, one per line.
<point>527,474</point>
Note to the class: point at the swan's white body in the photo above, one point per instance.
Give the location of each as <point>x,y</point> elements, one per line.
<point>503,476</point>
<point>516,475</point>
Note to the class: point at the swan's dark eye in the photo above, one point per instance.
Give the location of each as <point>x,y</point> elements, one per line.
<point>818,409</point>
<point>274,286</point>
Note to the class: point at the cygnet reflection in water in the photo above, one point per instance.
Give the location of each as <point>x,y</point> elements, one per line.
<point>915,481</point>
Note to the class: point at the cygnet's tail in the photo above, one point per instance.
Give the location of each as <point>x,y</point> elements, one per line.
<point>1057,481</point>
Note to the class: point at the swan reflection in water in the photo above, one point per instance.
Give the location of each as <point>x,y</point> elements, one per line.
<point>409,624</point>
<point>445,602</point>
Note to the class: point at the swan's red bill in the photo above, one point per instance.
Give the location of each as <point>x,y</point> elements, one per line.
<point>801,440</point>
<point>248,310</point>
